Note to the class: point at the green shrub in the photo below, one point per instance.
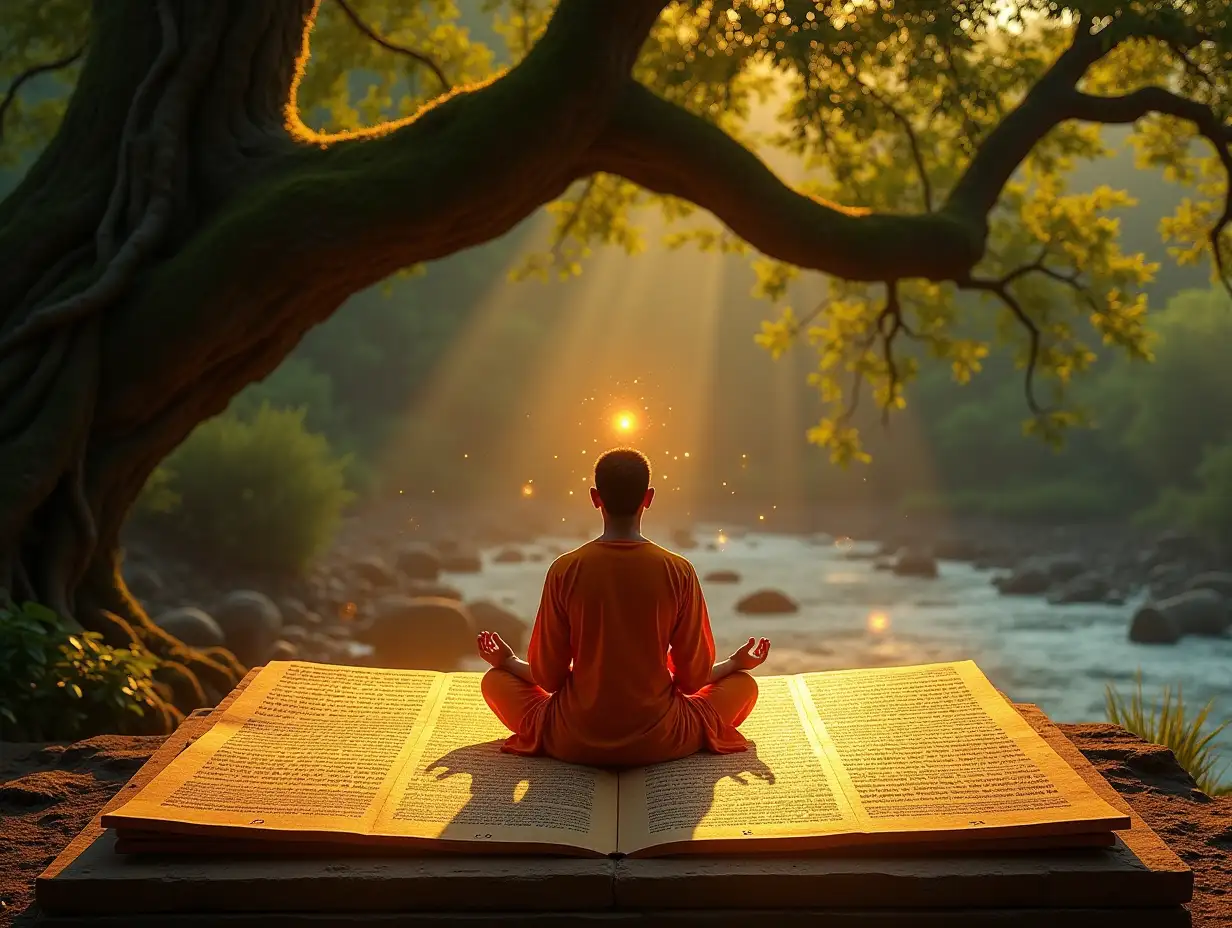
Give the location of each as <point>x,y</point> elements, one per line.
<point>262,492</point>
<point>1206,510</point>
<point>1165,723</point>
<point>294,384</point>
<point>55,685</point>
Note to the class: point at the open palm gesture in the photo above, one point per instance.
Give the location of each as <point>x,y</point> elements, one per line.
<point>753,654</point>
<point>493,649</point>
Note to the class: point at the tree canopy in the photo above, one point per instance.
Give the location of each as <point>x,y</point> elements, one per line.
<point>934,141</point>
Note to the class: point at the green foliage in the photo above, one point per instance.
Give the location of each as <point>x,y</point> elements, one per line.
<point>1165,723</point>
<point>1205,510</point>
<point>880,108</point>
<point>55,685</point>
<point>1169,413</point>
<point>260,492</point>
<point>296,384</point>
<point>37,33</point>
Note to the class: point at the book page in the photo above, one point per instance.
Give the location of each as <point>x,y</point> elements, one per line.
<point>936,747</point>
<point>459,785</point>
<point>782,786</point>
<point>306,747</point>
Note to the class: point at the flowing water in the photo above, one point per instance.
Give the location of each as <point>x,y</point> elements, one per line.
<point>851,615</point>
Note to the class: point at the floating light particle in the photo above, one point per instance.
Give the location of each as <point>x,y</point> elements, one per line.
<point>686,454</point>
<point>762,518</point>
<point>878,623</point>
<point>528,490</point>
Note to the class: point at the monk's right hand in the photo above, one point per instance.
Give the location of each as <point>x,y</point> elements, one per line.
<point>492,648</point>
<point>753,654</point>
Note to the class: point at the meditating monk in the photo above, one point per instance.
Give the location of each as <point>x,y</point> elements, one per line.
<point>621,668</point>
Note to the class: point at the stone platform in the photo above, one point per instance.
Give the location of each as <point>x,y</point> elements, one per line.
<point>1139,881</point>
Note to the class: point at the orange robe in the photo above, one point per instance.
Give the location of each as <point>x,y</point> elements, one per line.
<point>621,652</point>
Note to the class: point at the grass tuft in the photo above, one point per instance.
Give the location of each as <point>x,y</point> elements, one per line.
<point>1165,723</point>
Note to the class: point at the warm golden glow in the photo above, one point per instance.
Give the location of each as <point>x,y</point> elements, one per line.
<point>722,539</point>
<point>528,490</point>
<point>624,422</point>
<point>520,791</point>
<point>878,623</point>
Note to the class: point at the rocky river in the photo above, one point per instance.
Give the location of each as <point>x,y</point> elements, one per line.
<point>853,615</point>
<point>849,609</point>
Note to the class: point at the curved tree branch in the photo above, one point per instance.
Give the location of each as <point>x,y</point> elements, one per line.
<point>668,150</point>
<point>1001,288</point>
<point>1131,107</point>
<point>426,60</point>
<point>339,213</point>
<point>30,74</point>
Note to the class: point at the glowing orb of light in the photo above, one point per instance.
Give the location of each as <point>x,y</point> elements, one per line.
<point>878,623</point>
<point>722,539</point>
<point>624,422</point>
<point>528,490</point>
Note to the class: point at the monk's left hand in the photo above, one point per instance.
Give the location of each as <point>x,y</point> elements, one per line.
<point>753,654</point>
<point>493,649</point>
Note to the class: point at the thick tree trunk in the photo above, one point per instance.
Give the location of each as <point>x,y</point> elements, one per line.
<point>183,231</point>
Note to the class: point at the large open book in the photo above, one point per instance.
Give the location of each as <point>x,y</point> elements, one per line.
<point>328,756</point>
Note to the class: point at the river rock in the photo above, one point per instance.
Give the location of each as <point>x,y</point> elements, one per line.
<point>193,626</point>
<point>143,581</point>
<point>294,612</point>
<point>1197,612</point>
<point>1064,567</point>
<point>373,571</point>
<point>915,562</point>
<point>1166,580</point>
<point>1217,580</point>
<point>488,616</point>
<point>722,576</point>
<point>1028,579</point>
<point>284,650</point>
<point>1085,588</point>
<point>766,602</point>
<point>296,634</point>
<point>418,562</point>
<point>423,588</point>
<point>461,561</point>
<point>1171,547</point>
<point>428,633</point>
<point>509,556</point>
<point>683,539</point>
<point>251,623</point>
